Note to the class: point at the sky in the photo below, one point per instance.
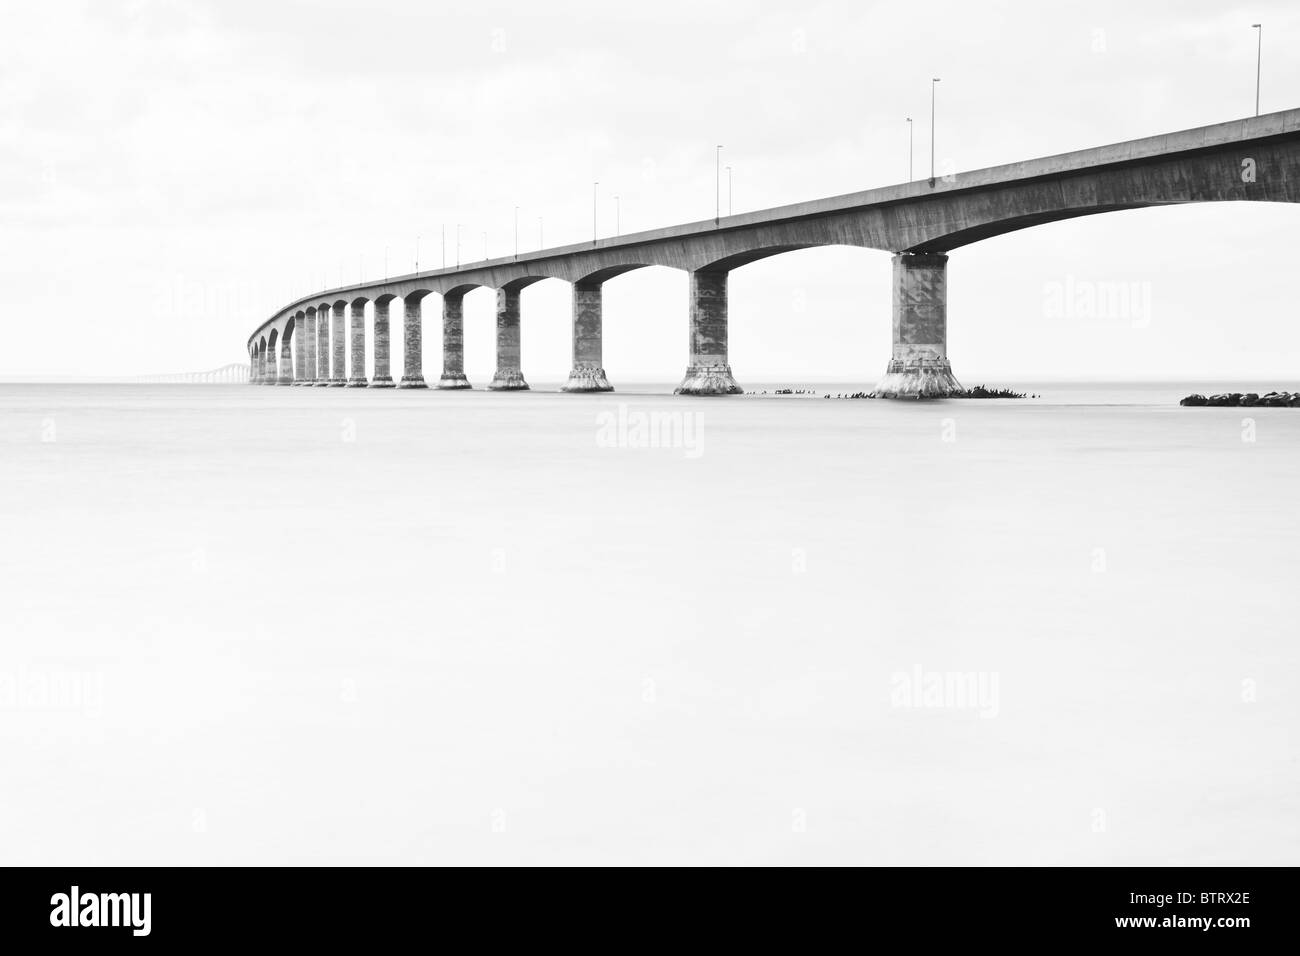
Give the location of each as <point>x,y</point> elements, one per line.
<point>171,173</point>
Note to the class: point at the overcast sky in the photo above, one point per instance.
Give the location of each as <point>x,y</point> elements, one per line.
<point>172,172</point>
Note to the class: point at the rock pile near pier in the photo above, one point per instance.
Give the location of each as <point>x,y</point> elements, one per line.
<point>1245,400</point>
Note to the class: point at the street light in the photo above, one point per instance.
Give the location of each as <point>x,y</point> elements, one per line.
<point>932,87</point>
<point>485,255</point>
<point>458,225</point>
<point>911,128</point>
<point>717,185</point>
<point>444,245</point>
<point>617,217</point>
<point>595,207</point>
<point>540,244</point>
<point>1259,55</point>
<point>516,232</point>
<point>728,190</point>
<point>417,253</point>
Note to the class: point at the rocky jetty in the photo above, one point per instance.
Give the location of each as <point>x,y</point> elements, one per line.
<point>979,391</point>
<point>1245,400</point>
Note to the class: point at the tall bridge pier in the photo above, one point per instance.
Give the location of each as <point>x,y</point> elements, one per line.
<point>919,365</point>
<point>588,373</point>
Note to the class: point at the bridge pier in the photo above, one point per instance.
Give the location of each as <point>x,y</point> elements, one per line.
<point>587,375</point>
<point>508,377</point>
<point>453,341</point>
<point>286,362</point>
<point>708,373</point>
<point>322,347</point>
<point>339,371</point>
<point>299,355</point>
<point>413,343</point>
<point>382,378</point>
<point>307,348</point>
<point>919,366</point>
<point>357,320</point>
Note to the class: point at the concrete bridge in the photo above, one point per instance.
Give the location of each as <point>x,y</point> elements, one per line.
<point>235,373</point>
<point>308,342</point>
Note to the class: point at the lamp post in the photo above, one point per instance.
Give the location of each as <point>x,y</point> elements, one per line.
<point>728,190</point>
<point>485,255</point>
<point>911,129</point>
<point>618,217</point>
<point>458,225</point>
<point>717,185</point>
<point>932,88</point>
<point>417,254</point>
<point>444,245</point>
<point>1259,55</point>
<point>540,243</point>
<point>595,208</point>
<point>516,233</point>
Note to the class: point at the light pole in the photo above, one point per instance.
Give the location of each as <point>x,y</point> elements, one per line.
<point>516,233</point>
<point>717,185</point>
<point>458,225</point>
<point>485,255</point>
<point>540,244</point>
<point>444,245</point>
<point>417,254</point>
<point>728,190</point>
<point>911,128</point>
<point>618,217</point>
<point>1259,55</point>
<point>385,263</point>
<point>595,207</point>
<point>932,130</point>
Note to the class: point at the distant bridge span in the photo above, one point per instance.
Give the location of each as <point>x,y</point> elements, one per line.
<point>1256,159</point>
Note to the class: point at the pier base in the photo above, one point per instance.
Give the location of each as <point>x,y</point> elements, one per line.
<point>454,380</point>
<point>587,379</point>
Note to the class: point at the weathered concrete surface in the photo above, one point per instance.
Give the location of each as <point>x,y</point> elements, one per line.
<point>1255,159</point>
<point>309,348</point>
<point>588,373</point>
<point>453,341</point>
<point>322,379</point>
<point>413,341</point>
<point>286,357</point>
<point>299,322</point>
<point>509,377</point>
<point>381,378</point>
<point>357,318</point>
<point>919,365</point>
<point>338,354</point>
<point>708,372</point>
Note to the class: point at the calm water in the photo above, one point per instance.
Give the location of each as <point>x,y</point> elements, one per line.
<point>246,624</point>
